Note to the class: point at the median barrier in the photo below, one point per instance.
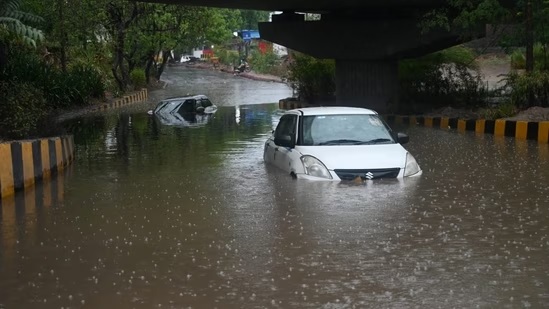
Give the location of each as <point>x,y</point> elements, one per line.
<point>25,162</point>
<point>136,97</point>
<point>523,130</point>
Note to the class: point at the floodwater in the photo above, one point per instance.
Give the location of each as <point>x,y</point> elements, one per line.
<point>151,216</point>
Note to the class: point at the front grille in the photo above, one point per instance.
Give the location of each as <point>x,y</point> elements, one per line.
<point>368,174</point>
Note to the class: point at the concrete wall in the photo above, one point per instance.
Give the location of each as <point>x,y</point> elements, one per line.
<point>23,163</point>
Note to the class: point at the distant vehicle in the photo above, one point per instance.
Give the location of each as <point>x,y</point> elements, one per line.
<point>184,111</point>
<point>243,67</point>
<point>338,143</point>
<point>185,58</point>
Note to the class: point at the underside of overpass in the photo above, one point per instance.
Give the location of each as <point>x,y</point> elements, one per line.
<point>366,39</point>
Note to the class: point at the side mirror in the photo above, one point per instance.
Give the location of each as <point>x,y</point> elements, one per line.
<point>402,138</point>
<point>285,141</point>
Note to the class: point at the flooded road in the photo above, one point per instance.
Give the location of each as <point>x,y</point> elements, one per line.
<point>151,216</point>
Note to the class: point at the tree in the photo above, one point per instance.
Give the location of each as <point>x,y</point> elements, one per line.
<point>250,19</point>
<point>13,26</point>
<point>121,15</point>
<point>529,17</point>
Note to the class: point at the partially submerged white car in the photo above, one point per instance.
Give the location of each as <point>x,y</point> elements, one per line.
<point>184,111</point>
<point>338,143</point>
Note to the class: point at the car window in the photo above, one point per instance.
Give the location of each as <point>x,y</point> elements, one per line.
<point>205,103</point>
<point>286,126</point>
<point>344,129</point>
<point>187,107</point>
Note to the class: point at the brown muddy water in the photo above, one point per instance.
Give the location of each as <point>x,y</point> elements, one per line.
<point>152,216</point>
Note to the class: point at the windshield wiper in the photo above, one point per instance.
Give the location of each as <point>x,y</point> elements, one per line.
<point>355,142</point>
<point>376,141</point>
<point>340,141</point>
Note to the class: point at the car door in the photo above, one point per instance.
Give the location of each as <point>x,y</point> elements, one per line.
<point>286,126</point>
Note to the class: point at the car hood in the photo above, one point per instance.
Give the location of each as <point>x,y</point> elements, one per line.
<point>358,156</point>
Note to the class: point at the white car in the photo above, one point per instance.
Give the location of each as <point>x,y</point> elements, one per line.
<point>184,111</point>
<point>185,58</point>
<point>338,143</point>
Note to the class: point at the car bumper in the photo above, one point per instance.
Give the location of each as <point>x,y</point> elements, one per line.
<point>336,178</point>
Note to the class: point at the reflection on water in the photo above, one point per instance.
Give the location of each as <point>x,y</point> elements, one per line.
<point>160,216</point>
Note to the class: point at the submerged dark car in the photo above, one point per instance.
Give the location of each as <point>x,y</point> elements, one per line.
<point>185,111</point>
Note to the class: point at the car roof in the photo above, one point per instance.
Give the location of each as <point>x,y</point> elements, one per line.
<point>333,110</point>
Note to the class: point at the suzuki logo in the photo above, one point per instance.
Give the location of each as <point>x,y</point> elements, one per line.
<point>369,175</point>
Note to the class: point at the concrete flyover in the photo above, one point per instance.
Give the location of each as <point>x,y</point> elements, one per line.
<point>366,39</point>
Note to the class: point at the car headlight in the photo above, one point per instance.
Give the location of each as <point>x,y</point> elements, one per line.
<point>313,167</point>
<point>411,167</point>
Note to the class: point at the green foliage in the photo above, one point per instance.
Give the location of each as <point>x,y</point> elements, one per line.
<point>59,89</point>
<point>502,110</point>
<point>541,58</point>
<point>137,76</point>
<point>227,57</point>
<point>15,22</point>
<point>87,82</point>
<point>312,78</point>
<point>472,14</point>
<point>22,108</point>
<point>262,62</point>
<point>521,86</point>
<point>518,60</point>
<point>440,79</point>
<point>459,55</point>
<point>250,19</point>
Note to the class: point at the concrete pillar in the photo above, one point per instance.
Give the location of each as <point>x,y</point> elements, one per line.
<point>370,84</point>
<point>366,49</point>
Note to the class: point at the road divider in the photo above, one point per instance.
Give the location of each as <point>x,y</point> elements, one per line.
<point>26,162</point>
<point>136,97</point>
<point>523,130</point>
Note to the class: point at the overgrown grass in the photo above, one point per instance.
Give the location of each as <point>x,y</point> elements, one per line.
<point>503,110</point>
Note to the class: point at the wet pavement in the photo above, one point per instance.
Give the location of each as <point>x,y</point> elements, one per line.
<point>161,217</point>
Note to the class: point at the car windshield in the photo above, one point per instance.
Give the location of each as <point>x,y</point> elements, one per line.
<point>324,130</point>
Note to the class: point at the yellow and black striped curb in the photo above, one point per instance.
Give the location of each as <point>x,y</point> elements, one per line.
<point>139,96</point>
<point>524,130</point>
<point>23,163</point>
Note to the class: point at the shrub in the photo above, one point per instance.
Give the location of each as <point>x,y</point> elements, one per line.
<point>518,60</point>
<point>503,110</point>
<point>228,57</point>
<point>445,78</point>
<point>60,90</point>
<point>138,78</point>
<point>22,108</point>
<point>541,58</point>
<point>312,78</point>
<point>521,86</point>
<point>263,62</point>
